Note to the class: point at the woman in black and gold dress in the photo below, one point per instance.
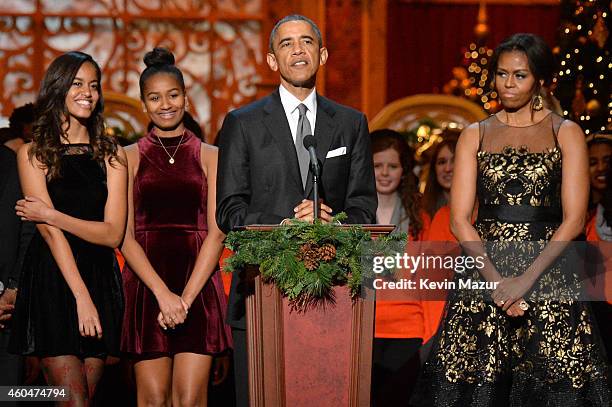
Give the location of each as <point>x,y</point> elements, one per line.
<point>529,343</point>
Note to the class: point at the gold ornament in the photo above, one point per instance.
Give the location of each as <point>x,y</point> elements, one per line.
<point>578,103</point>
<point>481,30</point>
<point>599,34</point>
<point>593,107</point>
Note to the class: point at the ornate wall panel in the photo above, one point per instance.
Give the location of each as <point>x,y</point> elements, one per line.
<point>217,44</point>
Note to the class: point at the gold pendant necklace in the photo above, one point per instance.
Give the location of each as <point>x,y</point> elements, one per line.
<point>171,157</point>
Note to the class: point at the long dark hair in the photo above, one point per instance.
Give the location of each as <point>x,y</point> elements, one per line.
<point>433,196</point>
<point>52,114</point>
<point>408,188</point>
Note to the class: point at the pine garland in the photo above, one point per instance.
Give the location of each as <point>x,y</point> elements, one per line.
<point>306,260</point>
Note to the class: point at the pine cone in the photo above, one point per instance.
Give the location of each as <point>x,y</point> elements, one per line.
<point>327,252</point>
<point>305,248</point>
<point>309,255</point>
<point>311,262</point>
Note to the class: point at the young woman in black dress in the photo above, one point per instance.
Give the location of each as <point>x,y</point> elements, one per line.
<point>74,179</point>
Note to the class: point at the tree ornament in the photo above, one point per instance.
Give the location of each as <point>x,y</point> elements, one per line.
<point>593,107</point>
<point>579,102</point>
<point>600,33</point>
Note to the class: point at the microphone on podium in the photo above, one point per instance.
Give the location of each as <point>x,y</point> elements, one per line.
<point>310,143</point>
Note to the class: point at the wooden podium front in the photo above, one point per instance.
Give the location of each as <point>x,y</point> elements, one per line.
<point>319,357</point>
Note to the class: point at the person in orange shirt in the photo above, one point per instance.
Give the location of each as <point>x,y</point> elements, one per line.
<point>399,325</point>
<point>436,204</point>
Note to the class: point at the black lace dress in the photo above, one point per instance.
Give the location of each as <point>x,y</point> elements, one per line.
<point>46,320</point>
<point>552,356</point>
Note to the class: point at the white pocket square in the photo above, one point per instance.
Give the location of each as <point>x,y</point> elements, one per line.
<point>336,153</point>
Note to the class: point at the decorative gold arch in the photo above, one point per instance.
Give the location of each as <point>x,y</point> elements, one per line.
<point>403,114</point>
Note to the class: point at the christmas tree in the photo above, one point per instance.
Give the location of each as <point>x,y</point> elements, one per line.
<point>472,78</point>
<point>584,81</point>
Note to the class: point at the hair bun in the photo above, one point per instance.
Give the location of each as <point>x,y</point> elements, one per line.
<point>158,57</point>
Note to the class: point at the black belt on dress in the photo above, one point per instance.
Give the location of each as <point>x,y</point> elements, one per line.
<point>520,213</point>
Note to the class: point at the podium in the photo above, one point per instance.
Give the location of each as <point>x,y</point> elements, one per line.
<point>321,356</point>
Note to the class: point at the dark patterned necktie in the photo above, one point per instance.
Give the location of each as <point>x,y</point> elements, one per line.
<point>303,130</point>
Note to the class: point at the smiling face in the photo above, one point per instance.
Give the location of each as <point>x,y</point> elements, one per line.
<point>388,171</point>
<point>164,100</point>
<point>296,56</point>
<point>84,93</point>
<point>445,163</point>
<point>599,162</point>
<point>514,81</point>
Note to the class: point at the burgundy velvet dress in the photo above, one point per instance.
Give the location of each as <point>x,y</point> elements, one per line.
<point>170,224</point>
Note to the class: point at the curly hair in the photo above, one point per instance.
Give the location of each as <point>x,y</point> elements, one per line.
<point>49,132</point>
<point>408,188</point>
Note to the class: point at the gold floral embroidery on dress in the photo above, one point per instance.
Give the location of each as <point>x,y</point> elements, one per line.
<point>553,342</point>
<point>519,177</point>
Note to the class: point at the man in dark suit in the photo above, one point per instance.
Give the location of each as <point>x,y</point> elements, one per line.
<point>262,177</point>
<point>14,239</point>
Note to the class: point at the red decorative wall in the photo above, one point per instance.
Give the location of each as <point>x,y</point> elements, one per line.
<point>424,41</point>
<point>217,44</point>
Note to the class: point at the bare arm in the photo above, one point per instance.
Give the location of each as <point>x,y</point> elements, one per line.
<point>574,200</point>
<point>108,232</point>
<point>463,196</point>
<point>33,182</point>
<point>211,249</point>
<point>170,304</point>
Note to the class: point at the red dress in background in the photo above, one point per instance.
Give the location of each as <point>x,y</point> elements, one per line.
<point>170,202</point>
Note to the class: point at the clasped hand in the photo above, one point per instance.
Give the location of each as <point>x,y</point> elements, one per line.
<point>510,292</point>
<point>305,211</point>
<point>7,305</point>
<point>173,310</point>
<point>33,209</point>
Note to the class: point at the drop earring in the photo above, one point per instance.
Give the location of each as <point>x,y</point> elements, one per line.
<point>538,103</point>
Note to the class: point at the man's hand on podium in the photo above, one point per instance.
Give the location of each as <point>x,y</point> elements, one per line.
<point>305,211</point>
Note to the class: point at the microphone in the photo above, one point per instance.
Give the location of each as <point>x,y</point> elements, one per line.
<point>310,143</point>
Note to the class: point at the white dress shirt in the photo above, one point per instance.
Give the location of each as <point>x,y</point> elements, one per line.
<point>290,105</point>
